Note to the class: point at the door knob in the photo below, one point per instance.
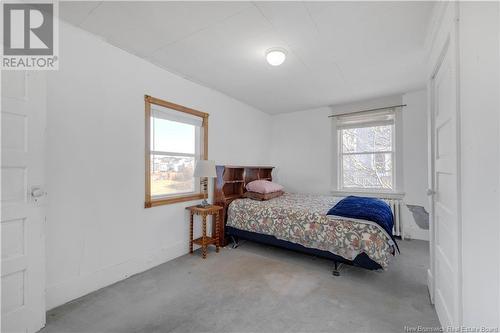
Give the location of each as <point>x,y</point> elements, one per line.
<point>37,192</point>
<point>430,192</point>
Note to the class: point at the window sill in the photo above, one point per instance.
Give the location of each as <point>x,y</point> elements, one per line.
<point>371,194</point>
<point>173,200</point>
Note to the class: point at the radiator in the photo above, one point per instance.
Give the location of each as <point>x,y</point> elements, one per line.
<point>395,205</point>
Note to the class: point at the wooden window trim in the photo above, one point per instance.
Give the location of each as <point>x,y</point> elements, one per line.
<point>148,200</point>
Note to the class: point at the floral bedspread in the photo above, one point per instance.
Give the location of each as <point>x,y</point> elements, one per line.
<point>302,219</point>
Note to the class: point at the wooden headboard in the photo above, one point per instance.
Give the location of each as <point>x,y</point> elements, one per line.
<point>231,184</point>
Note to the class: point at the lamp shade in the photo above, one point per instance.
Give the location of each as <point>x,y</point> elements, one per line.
<point>205,168</point>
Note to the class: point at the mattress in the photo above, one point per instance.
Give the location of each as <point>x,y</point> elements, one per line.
<point>302,219</point>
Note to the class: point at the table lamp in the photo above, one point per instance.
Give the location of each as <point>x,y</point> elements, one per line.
<point>203,170</point>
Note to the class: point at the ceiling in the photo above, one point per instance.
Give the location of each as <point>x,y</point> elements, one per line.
<point>337,51</point>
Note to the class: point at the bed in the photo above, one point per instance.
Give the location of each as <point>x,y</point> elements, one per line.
<point>299,222</point>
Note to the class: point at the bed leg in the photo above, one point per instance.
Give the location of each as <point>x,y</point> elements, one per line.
<point>234,240</point>
<point>337,267</point>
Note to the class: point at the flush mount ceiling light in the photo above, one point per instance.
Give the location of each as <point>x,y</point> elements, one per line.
<point>275,56</point>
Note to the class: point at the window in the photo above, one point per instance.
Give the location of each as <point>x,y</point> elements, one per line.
<point>367,151</point>
<point>176,137</point>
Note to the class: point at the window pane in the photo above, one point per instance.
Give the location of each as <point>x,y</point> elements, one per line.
<point>367,139</point>
<point>370,171</point>
<point>171,136</point>
<point>171,175</point>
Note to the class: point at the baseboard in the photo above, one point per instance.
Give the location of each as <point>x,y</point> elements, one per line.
<point>69,290</point>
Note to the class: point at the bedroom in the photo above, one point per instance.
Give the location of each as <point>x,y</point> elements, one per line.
<point>95,184</point>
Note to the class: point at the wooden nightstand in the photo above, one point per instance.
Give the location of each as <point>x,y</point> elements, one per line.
<point>204,240</point>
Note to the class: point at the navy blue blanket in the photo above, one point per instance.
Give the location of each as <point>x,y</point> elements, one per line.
<point>363,208</point>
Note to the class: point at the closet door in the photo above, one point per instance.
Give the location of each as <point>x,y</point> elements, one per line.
<point>23,201</point>
<point>446,226</point>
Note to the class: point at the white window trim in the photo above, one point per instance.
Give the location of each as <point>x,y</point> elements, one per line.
<point>397,159</point>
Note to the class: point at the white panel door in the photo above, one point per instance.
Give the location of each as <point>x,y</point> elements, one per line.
<point>23,198</point>
<point>446,223</point>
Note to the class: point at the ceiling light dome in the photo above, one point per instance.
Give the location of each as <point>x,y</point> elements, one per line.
<point>275,56</point>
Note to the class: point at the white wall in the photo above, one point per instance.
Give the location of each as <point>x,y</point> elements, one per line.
<point>301,145</point>
<point>480,109</point>
<point>303,149</point>
<point>415,158</point>
<point>97,229</point>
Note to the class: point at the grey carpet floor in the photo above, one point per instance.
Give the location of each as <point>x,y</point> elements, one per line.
<point>257,288</point>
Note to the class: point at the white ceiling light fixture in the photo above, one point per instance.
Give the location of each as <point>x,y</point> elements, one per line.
<point>275,56</point>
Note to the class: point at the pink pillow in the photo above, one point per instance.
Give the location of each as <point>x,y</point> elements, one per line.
<point>264,186</point>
